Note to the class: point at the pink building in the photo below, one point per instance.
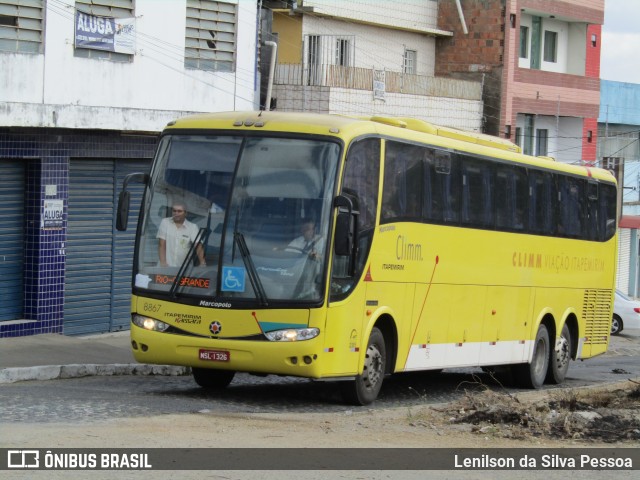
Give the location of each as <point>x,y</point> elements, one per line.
<point>539,61</point>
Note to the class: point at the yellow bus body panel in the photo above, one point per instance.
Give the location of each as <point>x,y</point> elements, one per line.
<point>453,296</point>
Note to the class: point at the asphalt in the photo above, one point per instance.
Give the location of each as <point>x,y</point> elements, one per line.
<point>51,356</point>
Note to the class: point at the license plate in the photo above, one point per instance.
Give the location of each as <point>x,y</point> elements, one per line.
<point>214,355</point>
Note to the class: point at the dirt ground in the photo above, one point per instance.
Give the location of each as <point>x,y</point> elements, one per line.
<point>594,416</point>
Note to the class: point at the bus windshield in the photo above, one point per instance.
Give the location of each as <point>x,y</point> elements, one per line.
<point>238,218</point>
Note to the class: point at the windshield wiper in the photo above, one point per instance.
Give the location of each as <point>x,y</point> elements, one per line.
<point>254,278</point>
<point>190,254</point>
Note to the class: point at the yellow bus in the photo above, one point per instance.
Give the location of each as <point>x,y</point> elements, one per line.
<point>348,249</point>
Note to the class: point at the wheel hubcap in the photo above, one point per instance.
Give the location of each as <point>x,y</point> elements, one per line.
<point>562,352</point>
<point>614,326</point>
<point>372,367</point>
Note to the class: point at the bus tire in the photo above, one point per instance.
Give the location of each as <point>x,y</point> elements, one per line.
<point>365,388</point>
<point>532,375</point>
<point>560,357</point>
<point>212,379</point>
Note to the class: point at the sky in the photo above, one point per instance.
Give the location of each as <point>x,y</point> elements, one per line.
<point>621,41</point>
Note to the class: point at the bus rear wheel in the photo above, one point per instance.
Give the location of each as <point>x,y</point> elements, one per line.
<point>532,375</point>
<point>560,357</point>
<point>212,379</point>
<point>365,388</point>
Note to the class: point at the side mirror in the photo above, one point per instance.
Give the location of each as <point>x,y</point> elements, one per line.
<point>345,241</point>
<point>122,216</point>
<point>124,199</point>
<point>345,231</point>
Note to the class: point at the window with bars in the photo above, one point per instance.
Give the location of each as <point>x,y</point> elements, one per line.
<point>410,61</point>
<point>105,8</point>
<point>21,26</point>
<point>210,35</point>
<point>343,52</point>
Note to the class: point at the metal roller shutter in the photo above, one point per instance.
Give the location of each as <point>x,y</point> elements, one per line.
<point>98,272</point>
<point>11,239</point>
<point>124,244</point>
<point>624,251</point>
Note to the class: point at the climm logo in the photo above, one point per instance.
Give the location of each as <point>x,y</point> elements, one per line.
<point>527,260</point>
<point>405,250</point>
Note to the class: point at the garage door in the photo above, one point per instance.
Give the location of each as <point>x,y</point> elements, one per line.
<point>99,259</point>
<point>624,253</point>
<point>11,239</point>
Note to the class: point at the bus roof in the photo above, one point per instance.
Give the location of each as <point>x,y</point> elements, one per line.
<point>400,127</point>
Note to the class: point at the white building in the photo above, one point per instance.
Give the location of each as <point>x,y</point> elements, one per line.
<point>167,66</point>
<point>368,58</point>
<point>85,87</point>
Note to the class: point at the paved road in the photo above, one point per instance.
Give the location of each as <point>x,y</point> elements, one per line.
<point>94,398</point>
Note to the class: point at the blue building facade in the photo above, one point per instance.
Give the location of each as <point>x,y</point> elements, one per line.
<point>63,268</point>
<point>619,148</point>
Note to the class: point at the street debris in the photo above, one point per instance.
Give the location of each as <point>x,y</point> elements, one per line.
<point>605,414</point>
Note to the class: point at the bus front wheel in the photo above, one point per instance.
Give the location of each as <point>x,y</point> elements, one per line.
<point>532,375</point>
<point>365,388</point>
<point>212,379</point>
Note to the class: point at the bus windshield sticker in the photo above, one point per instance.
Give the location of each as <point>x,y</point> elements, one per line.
<point>233,279</point>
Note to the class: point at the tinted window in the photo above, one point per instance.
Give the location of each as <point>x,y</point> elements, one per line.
<point>572,199</point>
<point>442,182</point>
<point>403,178</point>
<point>477,186</point>
<point>542,200</point>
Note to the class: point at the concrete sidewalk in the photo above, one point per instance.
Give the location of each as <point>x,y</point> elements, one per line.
<point>48,357</point>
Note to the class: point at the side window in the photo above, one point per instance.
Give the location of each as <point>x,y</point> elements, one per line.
<point>402,190</point>
<point>360,182</point>
<point>360,179</point>
<point>593,211</point>
<point>520,199</point>
<point>502,189</point>
<point>442,187</point>
<point>609,210</point>
<point>572,195</point>
<point>477,187</point>
<point>542,201</point>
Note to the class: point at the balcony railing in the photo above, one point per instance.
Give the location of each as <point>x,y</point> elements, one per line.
<point>362,79</point>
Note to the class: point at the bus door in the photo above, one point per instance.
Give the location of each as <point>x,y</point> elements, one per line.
<point>347,315</point>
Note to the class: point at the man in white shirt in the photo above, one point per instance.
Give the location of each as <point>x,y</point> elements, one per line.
<point>175,237</point>
<point>309,242</point>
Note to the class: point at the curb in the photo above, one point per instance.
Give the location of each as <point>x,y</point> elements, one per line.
<point>54,372</point>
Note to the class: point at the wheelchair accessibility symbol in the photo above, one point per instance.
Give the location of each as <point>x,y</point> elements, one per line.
<point>233,279</point>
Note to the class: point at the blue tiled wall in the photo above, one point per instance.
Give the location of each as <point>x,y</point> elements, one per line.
<point>47,154</point>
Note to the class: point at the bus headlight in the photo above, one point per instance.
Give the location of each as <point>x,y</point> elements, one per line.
<point>149,323</point>
<point>293,334</point>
